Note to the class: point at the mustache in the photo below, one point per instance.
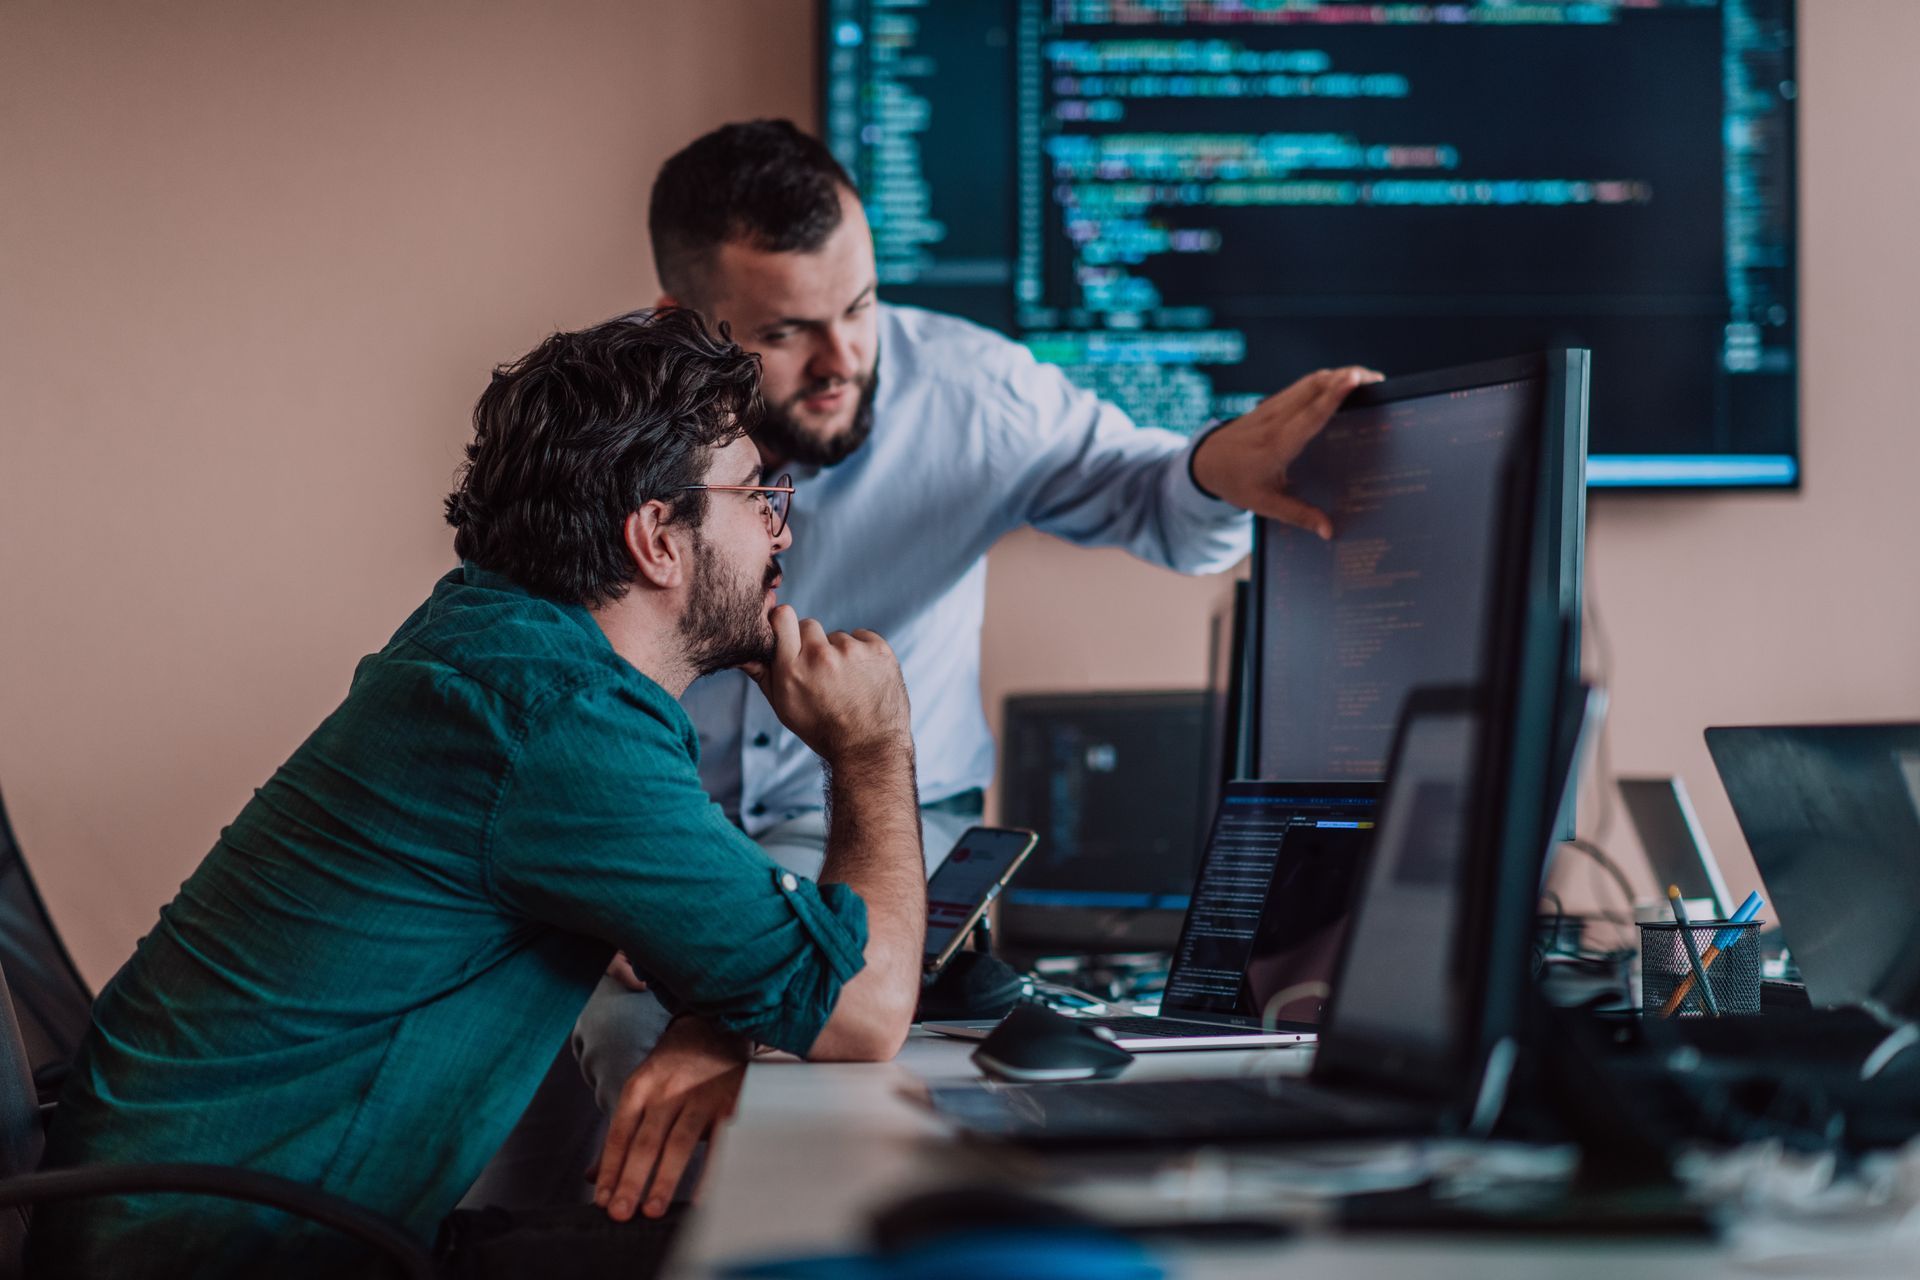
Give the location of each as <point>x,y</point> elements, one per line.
<point>773,573</point>
<point>858,381</point>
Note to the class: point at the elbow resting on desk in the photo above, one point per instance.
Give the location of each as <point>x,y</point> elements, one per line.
<point>869,1022</point>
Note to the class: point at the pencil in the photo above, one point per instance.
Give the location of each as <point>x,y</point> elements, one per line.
<point>1685,927</point>
<point>1721,940</point>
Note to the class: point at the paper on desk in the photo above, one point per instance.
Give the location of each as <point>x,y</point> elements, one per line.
<point>1294,1184</point>
<point>1795,1212</point>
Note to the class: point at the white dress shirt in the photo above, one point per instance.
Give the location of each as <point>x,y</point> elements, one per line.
<point>972,438</point>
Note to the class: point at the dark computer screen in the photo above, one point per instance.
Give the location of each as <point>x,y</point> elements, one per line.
<point>1400,979</point>
<point>1116,786</point>
<point>1399,599</point>
<point>1189,203</point>
<point>1271,904</point>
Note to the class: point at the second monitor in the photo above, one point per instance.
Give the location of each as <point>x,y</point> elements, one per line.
<point>1120,788</point>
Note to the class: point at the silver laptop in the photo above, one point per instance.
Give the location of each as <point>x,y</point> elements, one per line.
<point>1271,904</point>
<point>1676,847</point>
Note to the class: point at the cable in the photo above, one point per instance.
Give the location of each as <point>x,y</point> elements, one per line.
<point>1048,987</point>
<point>1605,862</point>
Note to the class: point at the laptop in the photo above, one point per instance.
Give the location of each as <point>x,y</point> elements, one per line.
<point>1392,1057</point>
<point>1254,964</point>
<point>1832,816</point>
<point>1675,846</point>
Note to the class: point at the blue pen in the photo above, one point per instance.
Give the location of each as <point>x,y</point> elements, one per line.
<point>1748,910</point>
<point>1721,941</point>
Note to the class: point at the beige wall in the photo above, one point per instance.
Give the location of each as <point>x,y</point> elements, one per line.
<point>258,261</point>
<point>257,258</point>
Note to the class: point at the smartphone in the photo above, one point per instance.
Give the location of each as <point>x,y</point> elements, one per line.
<point>982,861</point>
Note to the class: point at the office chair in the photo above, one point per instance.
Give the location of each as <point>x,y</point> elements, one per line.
<point>23,1140</point>
<point>52,1003</point>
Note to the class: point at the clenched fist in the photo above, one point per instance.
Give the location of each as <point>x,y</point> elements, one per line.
<point>840,693</point>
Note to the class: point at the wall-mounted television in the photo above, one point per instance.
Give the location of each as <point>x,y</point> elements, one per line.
<point>1188,203</point>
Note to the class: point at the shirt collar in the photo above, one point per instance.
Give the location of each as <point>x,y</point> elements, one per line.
<point>473,575</point>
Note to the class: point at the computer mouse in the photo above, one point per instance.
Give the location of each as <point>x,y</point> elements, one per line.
<point>1034,1044</point>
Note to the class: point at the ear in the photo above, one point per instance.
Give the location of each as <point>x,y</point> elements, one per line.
<point>661,553</point>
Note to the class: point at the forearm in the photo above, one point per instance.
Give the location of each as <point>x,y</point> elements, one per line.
<point>873,847</point>
<point>1139,494</point>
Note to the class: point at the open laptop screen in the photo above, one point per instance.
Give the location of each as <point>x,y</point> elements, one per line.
<point>1832,815</point>
<point>1271,903</point>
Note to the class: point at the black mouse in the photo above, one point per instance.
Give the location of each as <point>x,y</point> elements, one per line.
<point>1034,1044</point>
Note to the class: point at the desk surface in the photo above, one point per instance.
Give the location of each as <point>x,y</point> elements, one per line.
<point>815,1149</point>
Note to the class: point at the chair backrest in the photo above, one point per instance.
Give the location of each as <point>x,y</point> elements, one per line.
<point>52,1005</point>
<point>22,1139</point>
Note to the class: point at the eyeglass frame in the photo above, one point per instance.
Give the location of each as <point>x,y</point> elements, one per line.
<point>783,485</point>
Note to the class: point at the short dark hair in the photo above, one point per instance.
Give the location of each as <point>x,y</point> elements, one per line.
<point>584,429</point>
<point>762,182</point>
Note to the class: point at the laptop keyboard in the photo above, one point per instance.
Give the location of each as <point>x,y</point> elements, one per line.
<point>1213,1110</point>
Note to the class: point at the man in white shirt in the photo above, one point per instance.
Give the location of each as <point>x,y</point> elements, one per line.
<point>915,441</point>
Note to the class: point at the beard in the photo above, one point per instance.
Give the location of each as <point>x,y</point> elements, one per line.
<point>726,624</point>
<point>783,436</point>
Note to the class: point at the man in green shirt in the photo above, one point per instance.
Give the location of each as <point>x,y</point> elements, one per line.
<point>364,981</point>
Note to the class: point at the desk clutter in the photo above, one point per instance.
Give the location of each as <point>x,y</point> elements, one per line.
<point>1399,928</point>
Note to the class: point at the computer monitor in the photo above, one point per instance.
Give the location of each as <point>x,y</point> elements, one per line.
<point>1187,205</point>
<point>1120,788</point>
<point>1410,470</point>
<point>1397,994</point>
<point>1447,914</point>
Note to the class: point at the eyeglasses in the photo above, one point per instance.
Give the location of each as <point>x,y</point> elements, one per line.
<point>776,499</point>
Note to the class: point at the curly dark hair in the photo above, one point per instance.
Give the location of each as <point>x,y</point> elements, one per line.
<point>578,433</point>
<point>761,182</point>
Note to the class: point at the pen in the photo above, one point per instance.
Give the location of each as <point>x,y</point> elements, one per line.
<point>1685,928</point>
<point>1721,941</point>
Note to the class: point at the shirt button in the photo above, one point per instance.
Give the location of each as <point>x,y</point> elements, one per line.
<point>789,882</point>
<point>757,810</point>
<point>762,740</point>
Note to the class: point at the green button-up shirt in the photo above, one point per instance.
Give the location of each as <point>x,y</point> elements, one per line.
<point>363,983</point>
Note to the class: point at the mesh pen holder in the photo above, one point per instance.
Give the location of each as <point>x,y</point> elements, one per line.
<point>1733,970</point>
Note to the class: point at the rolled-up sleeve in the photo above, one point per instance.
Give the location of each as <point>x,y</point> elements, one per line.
<point>602,829</point>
